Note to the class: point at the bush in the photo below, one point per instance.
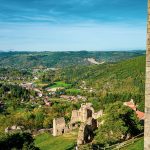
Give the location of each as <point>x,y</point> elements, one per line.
<point>17,141</point>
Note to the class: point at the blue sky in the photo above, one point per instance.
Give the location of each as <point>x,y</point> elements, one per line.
<point>58,25</point>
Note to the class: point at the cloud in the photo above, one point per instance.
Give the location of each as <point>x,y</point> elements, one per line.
<point>68,37</point>
<point>72,24</point>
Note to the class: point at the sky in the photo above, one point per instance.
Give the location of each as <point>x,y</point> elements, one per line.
<point>62,25</point>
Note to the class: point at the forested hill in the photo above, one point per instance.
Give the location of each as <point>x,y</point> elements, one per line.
<point>62,59</point>
<point>123,77</point>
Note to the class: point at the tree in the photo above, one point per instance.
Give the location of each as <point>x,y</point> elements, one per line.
<point>17,141</point>
<point>118,122</point>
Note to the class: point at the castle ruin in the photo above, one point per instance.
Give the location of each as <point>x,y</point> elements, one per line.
<point>88,123</point>
<point>59,126</point>
<point>86,111</point>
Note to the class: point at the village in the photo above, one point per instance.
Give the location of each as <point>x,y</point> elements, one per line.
<point>58,108</point>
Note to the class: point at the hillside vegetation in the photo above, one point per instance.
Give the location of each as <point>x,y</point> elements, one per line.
<point>118,81</point>
<point>31,97</point>
<point>117,77</point>
<point>61,59</point>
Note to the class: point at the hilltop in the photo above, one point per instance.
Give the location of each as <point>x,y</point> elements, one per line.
<point>62,59</point>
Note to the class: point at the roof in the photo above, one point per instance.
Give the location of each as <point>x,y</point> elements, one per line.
<point>131,105</point>
<point>140,115</point>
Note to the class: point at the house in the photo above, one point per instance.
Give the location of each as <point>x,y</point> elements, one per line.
<point>140,115</point>
<point>132,105</point>
<point>27,86</point>
<point>35,78</point>
<point>39,93</point>
<point>81,97</point>
<point>70,98</point>
<point>54,89</point>
<point>47,103</point>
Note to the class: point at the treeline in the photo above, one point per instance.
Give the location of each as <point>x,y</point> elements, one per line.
<point>13,92</point>
<point>34,119</point>
<point>110,82</point>
<point>122,76</point>
<point>120,123</point>
<point>17,141</point>
<point>61,59</point>
<point>15,74</point>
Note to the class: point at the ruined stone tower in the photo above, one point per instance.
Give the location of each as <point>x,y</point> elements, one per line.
<point>59,126</point>
<point>147,88</point>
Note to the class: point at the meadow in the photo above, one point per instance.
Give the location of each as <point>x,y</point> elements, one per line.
<point>48,142</point>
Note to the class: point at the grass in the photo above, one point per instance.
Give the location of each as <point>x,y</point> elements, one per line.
<point>73,91</point>
<point>138,145</point>
<point>58,100</point>
<point>48,142</point>
<point>40,83</point>
<point>60,84</point>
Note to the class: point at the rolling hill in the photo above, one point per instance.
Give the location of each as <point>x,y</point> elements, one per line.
<point>62,59</point>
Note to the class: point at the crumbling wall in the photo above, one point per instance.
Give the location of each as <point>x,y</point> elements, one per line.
<point>59,126</point>
<point>85,134</point>
<point>84,113</point>
<point>97,114</point>
<point>86,116</point>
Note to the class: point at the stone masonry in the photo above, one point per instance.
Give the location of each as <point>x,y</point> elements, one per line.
<point>85,115</point>
<point>59,126</point>
<point>147,88</point>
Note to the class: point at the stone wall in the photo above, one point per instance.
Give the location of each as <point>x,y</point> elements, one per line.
<point>97,114</point>
<point>84,113</point>
<point>59,126</point>
<point>86,131</point>
<point>147,88</point>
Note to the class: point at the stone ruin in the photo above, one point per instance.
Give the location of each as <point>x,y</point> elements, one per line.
<point>85,134</point>
<point>59,126</point>
<point>84,113</point>
<point>14,128</point>
<point>88,123</point>
<point>88,119</point>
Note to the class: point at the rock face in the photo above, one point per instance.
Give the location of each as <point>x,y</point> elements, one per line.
<point>147,88</point>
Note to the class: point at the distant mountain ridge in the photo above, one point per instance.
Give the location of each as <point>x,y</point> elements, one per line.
<point>62,59</point>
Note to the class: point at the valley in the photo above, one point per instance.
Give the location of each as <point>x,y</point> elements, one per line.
<point>33,93</point>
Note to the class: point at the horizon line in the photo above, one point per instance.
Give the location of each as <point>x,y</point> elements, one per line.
<point>130,50</point>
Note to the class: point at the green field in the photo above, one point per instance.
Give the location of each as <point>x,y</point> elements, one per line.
<point>60,84</point>
<point>59,100</point>
<point>48,142</point>
<point>139,145</point>
<point>73,91</point>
